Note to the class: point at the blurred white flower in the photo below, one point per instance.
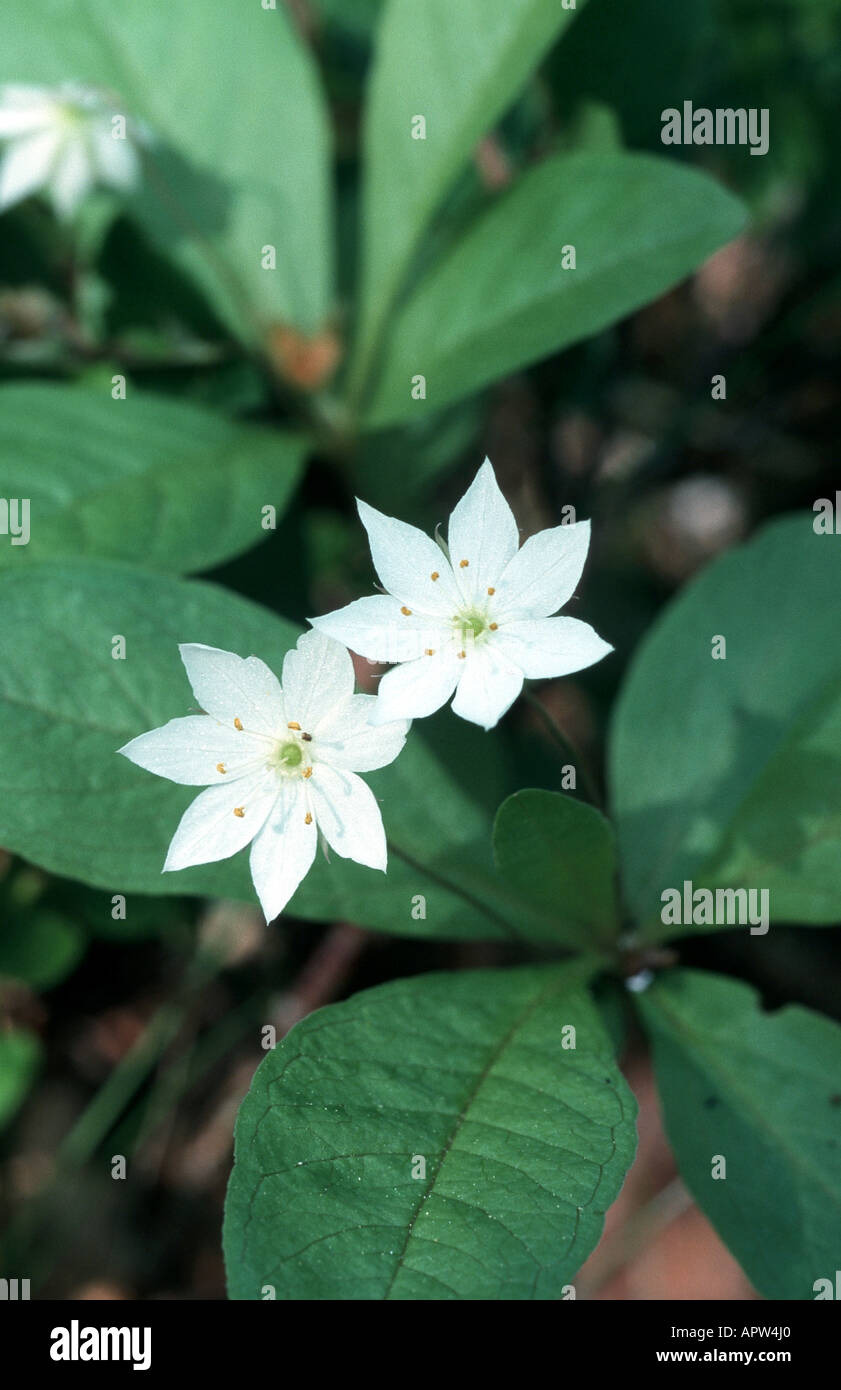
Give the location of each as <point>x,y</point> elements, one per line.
<point>279,764</point>
<point>470,617</point>
<point>63,141</point>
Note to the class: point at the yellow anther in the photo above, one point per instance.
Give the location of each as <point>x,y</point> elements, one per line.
<point>307,772</point>
<point>308,819</point>
<point>462,655</point>
<point>493,626</point>
<point>435,575</point>
<point>462,564</point>
<point>406,611</point>
<point>220,767</point>
<point>491,590</point>
<point>239,810</point>
<point>429,651</point>
<point>293,725</point>
<point>238,724</point>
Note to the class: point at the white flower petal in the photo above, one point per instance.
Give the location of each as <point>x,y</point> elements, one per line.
<point>230,687</point>
<point>488,687</point>
<point>417,688</point>
<point>72,178</point>
<point>27,165</point>
<point>24,117</point>
<point>115,160</point>
<point>551,646</point>
<point>348,816</point>
<point>376,628</point>
<point>317,676</point>
<point>405,560</point>
<point>210,829</point>
<point>282,853</point>
<point>190,751</point>
<point>349,741</point>
<point>544,573</point>
<point>484,533</point>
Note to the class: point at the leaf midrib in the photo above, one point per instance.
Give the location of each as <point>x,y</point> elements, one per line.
<point>796,1159</point>
<point>539,302</point>
<point>556,985</point>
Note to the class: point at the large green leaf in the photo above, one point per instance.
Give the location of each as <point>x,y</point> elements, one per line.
<point>241,153</point>
<point>502,298</point>
<point>70,804</point>
<point>760,1091</point>
<point>524,1143</point>
<point>560,854</point>
<point>727,773</point>
<point>144,479</point>
<point>459,66</point>
<point>20,1056</point>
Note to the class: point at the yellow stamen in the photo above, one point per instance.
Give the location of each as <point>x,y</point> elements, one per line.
<point>462,655</point>
<point>307,772</point>
<point>435,575</point>
<point>308,819</point>
<point>238,724</point>
<point>239,810</point>
<point>462,564</point>
<point>293,725</point>
<point>220,767</point>
<point>406,611</point>
<point>493,626</point>
<point>429,651</point>
<point>491,590</point>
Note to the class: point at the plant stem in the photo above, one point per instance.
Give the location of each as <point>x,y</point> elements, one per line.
<point>567,748</point>
<point>641,1229</point>
<point>458,889</point>
<point>96,1122</point>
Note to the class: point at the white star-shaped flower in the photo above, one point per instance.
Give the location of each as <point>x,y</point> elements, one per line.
<point>471,617</point>
<point>279,764</point>
<point>62,141</point>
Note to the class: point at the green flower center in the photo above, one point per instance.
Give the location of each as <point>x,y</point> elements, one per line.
<point>289,755</point>
<point>470,625</point>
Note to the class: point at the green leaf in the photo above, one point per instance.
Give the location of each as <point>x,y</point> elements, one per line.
<point>144,479</point>
<point>20,1056</point>
<point>459,66</point>
<point>560,855</point>
<point>502,298</point>
<point>40,948</point>
<point>71,805</point>
<point>761,1091</point>
<point>727,773</point>
<point>524,1141</point>
<point>242,149</point>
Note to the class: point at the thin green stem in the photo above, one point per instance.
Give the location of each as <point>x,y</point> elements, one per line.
<point>457,889</point>
<point>567,748</point>
<point>100,1117</point>
<point>640,1231</point>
